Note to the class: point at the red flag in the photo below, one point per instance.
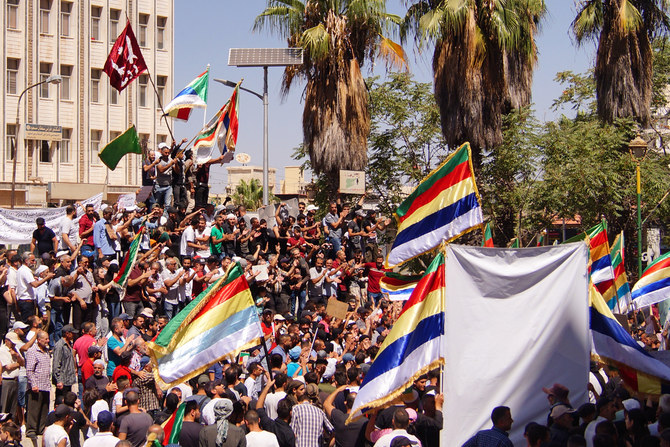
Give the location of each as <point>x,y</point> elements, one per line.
<point>125,61</point>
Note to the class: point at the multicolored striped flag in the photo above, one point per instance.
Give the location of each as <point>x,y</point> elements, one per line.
<point>172,426</point>
<point>488,236</point>
<point>218,324</point>
<point>622,299</point>
<point>193,95</point>
<point>222,129</point>
<point>654,285</point>
<point>614,346</point>
<point>602,274</point>
<point>514,243</point>
<point>398,287</point>
<point>411,348</point>
<point>129,259</point>
<point>444,206</point>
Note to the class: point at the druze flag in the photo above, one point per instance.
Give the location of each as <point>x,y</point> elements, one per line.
<point>125,61</point>
<point>126,143</point>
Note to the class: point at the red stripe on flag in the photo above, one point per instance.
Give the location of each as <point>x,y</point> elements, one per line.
<point>228,291</point>
<point>598,239</point>
<point>458,174</point>
<point>184,114</point>
<point>429,283</point>
<point>656,267</point>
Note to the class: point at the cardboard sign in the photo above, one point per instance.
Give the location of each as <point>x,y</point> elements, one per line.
<point>263,272</point>
<point>126,201</point>
<point>337,309</point>
<point>352,182</point>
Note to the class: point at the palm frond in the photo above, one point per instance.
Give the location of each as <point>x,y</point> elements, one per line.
<point>589,21</point>
<point>629,18</point>
<point>316,41</point>
<point>393,53</point>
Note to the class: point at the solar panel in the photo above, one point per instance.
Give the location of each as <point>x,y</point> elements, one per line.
<point>264,57</point>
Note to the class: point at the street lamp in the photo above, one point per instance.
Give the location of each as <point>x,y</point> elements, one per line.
<point>263,57</point>
<point>638,149</point>
<point>53,79</point>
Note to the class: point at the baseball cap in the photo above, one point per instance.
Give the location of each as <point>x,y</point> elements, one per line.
<point>311,208</point>
<point>69,328</point>
<point>148,312</point>
<point>19,325</point>
<point>401,441</point>
<point>125,316</point>
<point>62,410</point>
<point>93,349</point>
<point>11,336</point>
<point>279,317</point>
<point>162,145</point>
<point>231,216</point>
<point>558,390</point>
<point>105,419</point>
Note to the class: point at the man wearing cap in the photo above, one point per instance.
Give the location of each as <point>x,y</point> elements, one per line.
<point>64,371</point>
<point>560,430</point>
<point>94,353</point>
<point>11,361</point>
<point>55,434</point>
<point>38,369</point>
<point>104,437</point>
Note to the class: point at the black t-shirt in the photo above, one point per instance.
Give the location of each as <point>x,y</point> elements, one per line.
<point>146,175</point>
<point>44,240</point>
<point>348,435</point>
<point>189,435</point>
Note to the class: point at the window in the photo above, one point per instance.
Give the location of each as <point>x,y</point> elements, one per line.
<point>144,25</point>
<point>12,14</point>
<point>9,145</point>
<point>65,14</point>
<point>45,152</point>
<point>96,136</point>
<point>65,146</point>
<point>45,15</point>
<point>12,76</point>
<point>161,82</point>
<point>113,96</point>
<point>143,91</point>
<point>114,18</point>
<point>66,74</point>
<point>161,138</point>
<point>95,84</point>
<point>144,140</point>
<point>96,12</point>
<point>161,23</point>
<point>45,72</point>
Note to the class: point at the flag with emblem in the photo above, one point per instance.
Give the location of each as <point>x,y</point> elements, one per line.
<point>125,61</point>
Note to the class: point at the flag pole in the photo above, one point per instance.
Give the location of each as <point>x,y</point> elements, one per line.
<point>158,98</point>
<point>204,114</point>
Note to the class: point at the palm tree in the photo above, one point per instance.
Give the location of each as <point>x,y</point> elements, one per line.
<point>249,194</point>
<point>624,60</point>
<point>482,64</point>
<point>337,37</point>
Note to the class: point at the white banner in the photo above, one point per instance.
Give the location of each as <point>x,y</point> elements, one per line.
<point>516,321</point>
<point>17,225</point>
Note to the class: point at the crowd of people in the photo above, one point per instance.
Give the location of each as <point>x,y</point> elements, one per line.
<point>74,358</point>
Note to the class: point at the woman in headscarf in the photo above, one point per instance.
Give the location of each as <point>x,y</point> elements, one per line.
<point>223,433</point>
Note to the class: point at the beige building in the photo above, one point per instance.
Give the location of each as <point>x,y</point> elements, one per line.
<point>41,38</point>
<point>246,173</point>
<point>294,181</point>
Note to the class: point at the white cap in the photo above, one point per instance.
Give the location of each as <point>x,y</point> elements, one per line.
<point>231,216</point>
<point>162,145</point>
<point>311,208</point>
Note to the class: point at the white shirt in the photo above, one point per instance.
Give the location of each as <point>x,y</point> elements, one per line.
<point>253,387</point>
<point>187,236</point>
<point>68,226</point>
<point>97,407</point>
<point>385,441</point>
<point>261,439</point>
<point>206,232</point>
<point>24,276</point>
<point>590,431</point>
<point>102,439</point>
<point>271,401</point>
<point>6,359</point>
<point>186,290</point>
<point>53,435</point>
<point>172,296</point>
<point>12,278</point>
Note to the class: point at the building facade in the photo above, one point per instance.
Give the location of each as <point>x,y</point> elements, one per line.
<point>41,38</point>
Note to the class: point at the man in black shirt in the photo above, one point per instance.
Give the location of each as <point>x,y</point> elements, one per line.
<point>190,429</point>
<point>43,238</point>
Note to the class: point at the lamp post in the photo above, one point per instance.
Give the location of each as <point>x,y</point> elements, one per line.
<point>638,149</point>
<point>54,79</point>
<point>264,98</point>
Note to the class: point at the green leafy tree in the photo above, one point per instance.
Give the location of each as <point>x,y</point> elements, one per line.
<point>337,37</point>
<point>482,64</point>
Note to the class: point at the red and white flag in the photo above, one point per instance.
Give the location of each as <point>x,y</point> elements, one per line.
<point>125,61</point>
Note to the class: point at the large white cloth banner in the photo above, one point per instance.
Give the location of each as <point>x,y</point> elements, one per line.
<point>516,321</point>
<point>17,225</point>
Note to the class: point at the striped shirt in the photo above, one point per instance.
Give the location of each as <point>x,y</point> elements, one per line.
<point>308,423</point>
<point>38,368</point>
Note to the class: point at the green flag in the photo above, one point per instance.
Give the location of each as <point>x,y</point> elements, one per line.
<point>126,143</point>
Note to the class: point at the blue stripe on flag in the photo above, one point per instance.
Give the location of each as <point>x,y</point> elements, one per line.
<point>187,91</point>
<point>601,263</point>
<point>395,354</point>
<point>438,219</point>
<point>654,286</point>
<point>623,290</point>
<point>606,326</point>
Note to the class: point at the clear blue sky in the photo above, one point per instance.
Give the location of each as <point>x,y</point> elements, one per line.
<point>206,29</point>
